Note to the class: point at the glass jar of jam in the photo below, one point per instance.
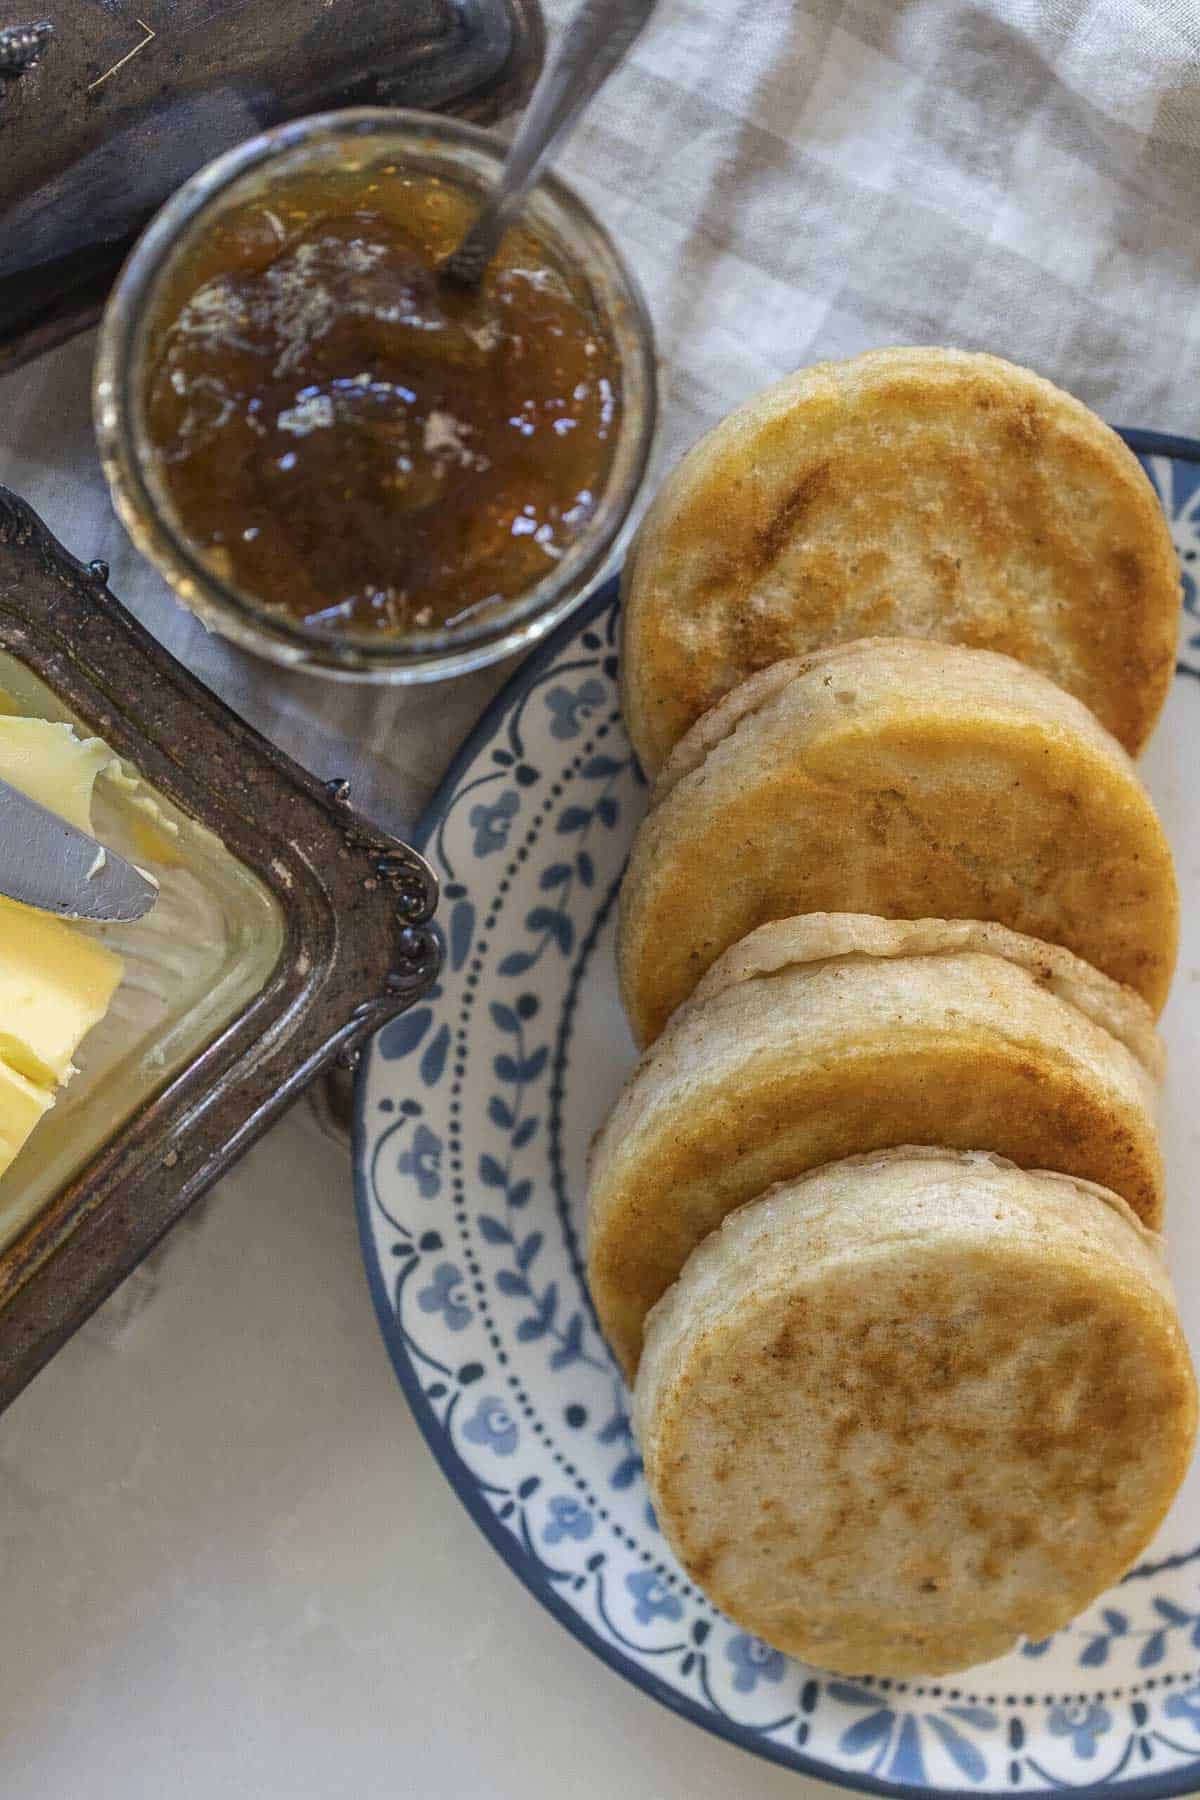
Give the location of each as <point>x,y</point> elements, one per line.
<point>337,457</point>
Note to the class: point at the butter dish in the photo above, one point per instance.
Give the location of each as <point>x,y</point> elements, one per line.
<point>287,930</point>
<point>56,984</point>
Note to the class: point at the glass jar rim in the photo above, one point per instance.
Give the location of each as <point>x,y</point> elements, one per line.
<point>468,153</point>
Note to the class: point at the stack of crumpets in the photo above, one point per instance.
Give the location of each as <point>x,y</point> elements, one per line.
<point>874,1226</point>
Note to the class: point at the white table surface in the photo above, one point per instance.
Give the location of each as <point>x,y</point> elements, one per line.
<point>228,1565</point>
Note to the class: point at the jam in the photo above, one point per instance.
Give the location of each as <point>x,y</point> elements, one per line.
<point>354,441</point>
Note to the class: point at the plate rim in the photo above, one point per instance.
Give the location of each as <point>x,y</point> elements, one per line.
<point>1171,1785</point>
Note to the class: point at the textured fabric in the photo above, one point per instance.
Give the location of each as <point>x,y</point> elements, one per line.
<point>795,181</point>
<point>790,181</point>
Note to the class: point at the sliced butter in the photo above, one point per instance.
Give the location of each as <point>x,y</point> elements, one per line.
<point>55,984</point>
<point>22,1105</point>
<point>53,766</point>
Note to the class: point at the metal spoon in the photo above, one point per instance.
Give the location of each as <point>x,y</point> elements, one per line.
<point>594,42</point>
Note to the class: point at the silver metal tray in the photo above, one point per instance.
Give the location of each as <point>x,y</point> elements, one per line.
<point>321,934</point>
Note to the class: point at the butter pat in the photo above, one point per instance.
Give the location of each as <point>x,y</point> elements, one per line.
<point>53,766</point>
<point>22,1105</point>
<point>55,984</point>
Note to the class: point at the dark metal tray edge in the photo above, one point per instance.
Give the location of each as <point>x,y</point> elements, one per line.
<point>359,948</point>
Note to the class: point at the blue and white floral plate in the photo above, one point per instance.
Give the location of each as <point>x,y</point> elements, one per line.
<point>474,1116</point>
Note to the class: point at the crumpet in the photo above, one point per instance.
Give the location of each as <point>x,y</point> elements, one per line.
<point>906,493</point>
<point>818,1039</point>
<point>914,1406</point>
<point>905,779</point>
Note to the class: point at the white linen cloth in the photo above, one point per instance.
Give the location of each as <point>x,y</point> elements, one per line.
<point>199,1496</point>
<point>795,181</point>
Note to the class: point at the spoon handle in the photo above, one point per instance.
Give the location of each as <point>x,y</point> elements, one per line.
<point>594,41</point>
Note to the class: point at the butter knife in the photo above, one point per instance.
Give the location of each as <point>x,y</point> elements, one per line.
<point>47,863</point>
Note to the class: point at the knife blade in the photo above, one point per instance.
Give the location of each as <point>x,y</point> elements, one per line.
<point>48,863</point>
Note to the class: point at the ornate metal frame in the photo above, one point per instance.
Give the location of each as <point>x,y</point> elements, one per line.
<point>359,947</point>
<point>22,45</point>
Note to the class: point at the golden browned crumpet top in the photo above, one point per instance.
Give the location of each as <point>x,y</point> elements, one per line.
<point>907,779</point>
<point>906,493</point>
<point>914,1406</point>
<point>833,1035</point>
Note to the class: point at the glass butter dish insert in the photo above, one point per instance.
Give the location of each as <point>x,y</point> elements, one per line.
<point>191,966</point>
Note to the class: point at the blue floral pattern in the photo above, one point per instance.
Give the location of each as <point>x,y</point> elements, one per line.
<point>571,708</point>
<point>1084,1722</point>
<point>423,1161</point>
<point>902,1741</point>
<point>568,1519</point>
<point>491,821</point>
<point>1179,488</point>
<point>493,1425</point>
<point>652,1598</point>
<point>476,1111</point>
<point>1185,1706</point>
<point>753,1661</point>
<point>446,1295</point>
